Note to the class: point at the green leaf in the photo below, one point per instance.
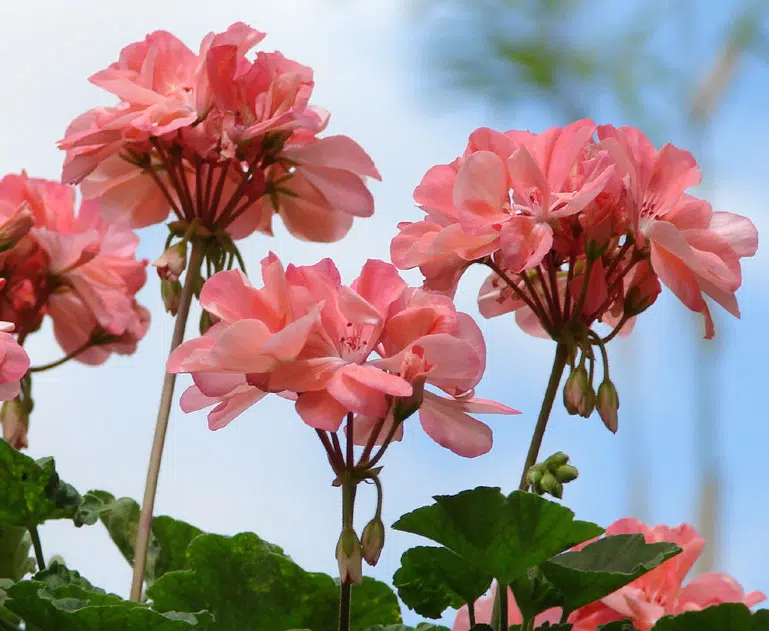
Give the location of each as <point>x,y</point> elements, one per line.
<point>15,544</point>
<point>248,583</point>
<point>61,599</point>
<point>604,566</point>
<point>727,617</point>
<point>168,540</point>
<point>5,584</point>
<point>503,536</point>
<point>534,593</point>
<point>31,492</point>
<point>430,580</point>
<point>373,602</point>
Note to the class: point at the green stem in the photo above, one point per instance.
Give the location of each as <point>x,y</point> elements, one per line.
<point>345,593</point>
<point>349,485</point>
<point>471,613</point>
<point>38,547</point>
<point>503,617</point>
<point>559,363</point>
<point>161,426</point>
<point>64,359</point>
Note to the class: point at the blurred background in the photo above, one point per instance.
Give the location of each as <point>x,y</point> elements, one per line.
<point>410,80</point>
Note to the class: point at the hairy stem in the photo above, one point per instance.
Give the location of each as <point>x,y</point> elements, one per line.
<point>559,363</point>
<point>349,485</point>
<point>164,410</point>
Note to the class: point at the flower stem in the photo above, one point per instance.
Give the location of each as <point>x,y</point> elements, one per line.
<point>349,485</point>
<point>38,547</point>
<point>164,409</point>
<point>559,363</point>
<point>64,359</point>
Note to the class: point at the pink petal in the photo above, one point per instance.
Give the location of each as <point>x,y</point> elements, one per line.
<point>320,410</point>
<point>739,232</point>
<point>446,423</point>
<point>525,242</point>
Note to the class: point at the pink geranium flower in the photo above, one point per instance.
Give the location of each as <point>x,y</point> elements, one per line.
<point>78,269</point>
<point>661,592</point>
<point>218,138</point>
<point>693,250</point>
<point>339,350</point>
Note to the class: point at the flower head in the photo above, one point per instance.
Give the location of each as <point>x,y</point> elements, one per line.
<point>340,351</point>
<point>218,137</point>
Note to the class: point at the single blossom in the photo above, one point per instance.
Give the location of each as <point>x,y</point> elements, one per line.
<point>219,138</point>
<point>364,350</point>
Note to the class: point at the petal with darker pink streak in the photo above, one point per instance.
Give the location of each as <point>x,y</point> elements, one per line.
<point>379,284</point>
<point>344,191</point>
<point>232,407</point>
<point>239,348</point>
<point>739,232</point>
<point>336,152</point>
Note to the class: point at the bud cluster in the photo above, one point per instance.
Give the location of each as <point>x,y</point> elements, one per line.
<point>550,475</point>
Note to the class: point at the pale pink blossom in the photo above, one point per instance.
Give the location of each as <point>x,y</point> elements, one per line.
<point>693,250</point>
<point>219,138</point>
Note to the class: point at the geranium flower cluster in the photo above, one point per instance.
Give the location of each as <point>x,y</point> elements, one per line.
<point>72,266</point>
<point>654,595</point>
<point>579,225</point>
<point>219,139</point>
<point>364,351</point>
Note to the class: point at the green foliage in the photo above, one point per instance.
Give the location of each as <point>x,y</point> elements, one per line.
<point>603,566</point>
<point>727,617</point>
<point>169,537</point>
<point>60,599</point>
<point>248,583</point>
<point>31,491</point>
<point>422,626</point>
<point>432,579</point>
<point>15,544</point>
<point>502,536</point>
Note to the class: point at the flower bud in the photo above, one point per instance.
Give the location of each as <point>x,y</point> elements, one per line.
<point>534,478</point>
<point>414,370</point>
<point>566,473</point>
<point>15,228</point>
<point>548,483</point>
<point>15,422</point>
<point>608,404</point>
<point>643,291</point>
<point>575,389</point>
<point>372,540</point>
<point>556,460</point>
<point>588,403</point>
<point>171,292</point>
<point>172,262</point>
<point>348,556</point>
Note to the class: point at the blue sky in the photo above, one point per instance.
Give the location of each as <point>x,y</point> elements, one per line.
<point>266,473</point>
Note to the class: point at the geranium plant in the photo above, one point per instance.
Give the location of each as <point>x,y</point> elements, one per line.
<point>579,228</point>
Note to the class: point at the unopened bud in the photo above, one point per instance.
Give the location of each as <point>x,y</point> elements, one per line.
<point>15,228</point>
<point>534,477</point>
<point>574,390</point>
<point>171,292</point>
<point>372,540</point>
<point>548,483</point>
<point>566,473</point>
<point>608,404</point>
<point>413,370</point>
<point>172,262</point>
<point>15,422</point>
<point>556,460</point>
<point>588,403</point>
<point>348,556</point>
